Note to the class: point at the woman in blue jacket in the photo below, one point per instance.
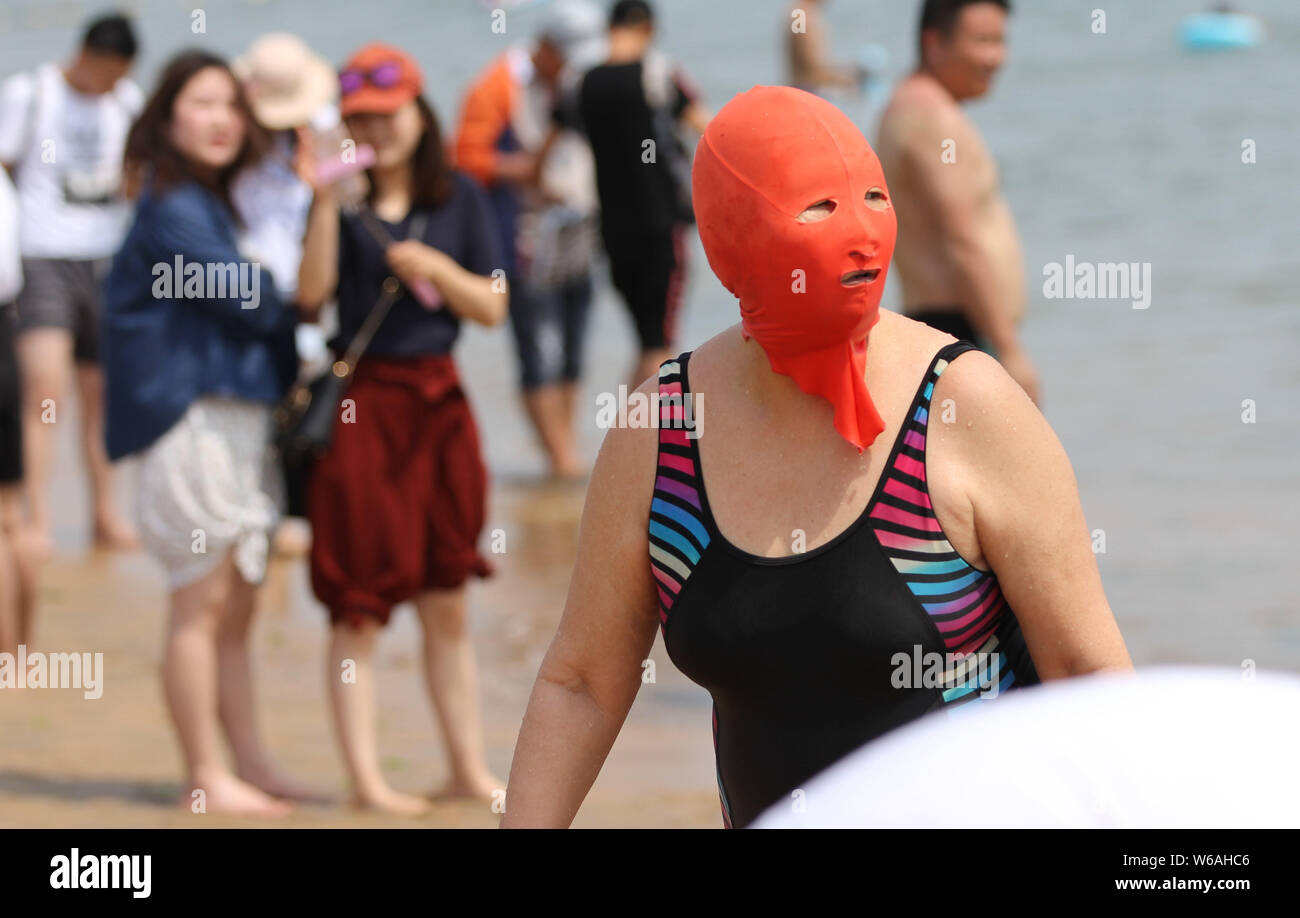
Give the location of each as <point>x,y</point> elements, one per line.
<point>198,349</point>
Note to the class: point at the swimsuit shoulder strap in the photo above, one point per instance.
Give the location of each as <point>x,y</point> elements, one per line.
<point>944,356</point>
<point>912,435</point>
<point>965,603</point>
<point>677,532</point>
<point>950,352</point>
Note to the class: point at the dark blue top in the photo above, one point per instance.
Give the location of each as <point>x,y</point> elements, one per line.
<point>163,349</point>
<point>463,227</point>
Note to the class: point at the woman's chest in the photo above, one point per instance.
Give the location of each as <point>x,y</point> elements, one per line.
<point>794,490</point>
<point>785,493</point>
<point>840,619</point>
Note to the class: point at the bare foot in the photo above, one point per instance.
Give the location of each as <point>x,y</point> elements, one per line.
<point>390,801</point>
<point>228,795</point>
<point>115,535</point>
<point>466,787</point>
<point>280,785</point>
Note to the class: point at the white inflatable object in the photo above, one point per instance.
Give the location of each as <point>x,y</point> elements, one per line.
<point>1177,747</point>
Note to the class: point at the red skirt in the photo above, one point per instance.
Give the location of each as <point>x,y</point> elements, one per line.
<point>398,503</point>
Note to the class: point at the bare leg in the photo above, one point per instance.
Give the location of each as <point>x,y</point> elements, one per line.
<point>9,586</point>
<point>569,391</point>
<point>569,395</point>
<point>111,529</point>
<point>292,538</point>
<point>190,683</point>
<point>236,706</point>
<point>26,560</point>
<point>452,676</point>
<point>351,678</point>
<point>554,427</point>
<point>647,365</point>
<point>45,364</point>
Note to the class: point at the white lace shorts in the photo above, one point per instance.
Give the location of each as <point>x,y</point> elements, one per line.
<point>208,486</point>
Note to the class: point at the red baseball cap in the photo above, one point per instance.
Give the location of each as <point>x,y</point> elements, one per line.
<point>378,79</point>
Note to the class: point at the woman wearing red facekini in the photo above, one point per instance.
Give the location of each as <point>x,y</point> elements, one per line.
<point>398,502</point>
<point>834,533</point>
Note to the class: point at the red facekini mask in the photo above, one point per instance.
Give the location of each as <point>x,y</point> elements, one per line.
<point>769,155</point>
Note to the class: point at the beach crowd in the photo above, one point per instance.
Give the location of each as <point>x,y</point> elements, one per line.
<point>254,277</point>
<point>189,261</point>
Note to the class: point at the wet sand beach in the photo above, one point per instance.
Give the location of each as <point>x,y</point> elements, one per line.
<point>70,761</point>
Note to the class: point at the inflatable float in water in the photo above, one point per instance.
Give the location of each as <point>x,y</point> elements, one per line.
<point>1220,31</point>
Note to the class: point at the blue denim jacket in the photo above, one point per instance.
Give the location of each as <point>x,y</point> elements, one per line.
<point>174,332</point>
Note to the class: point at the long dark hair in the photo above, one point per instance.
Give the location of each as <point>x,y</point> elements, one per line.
<point>431,169</point>
<point>150,154</point>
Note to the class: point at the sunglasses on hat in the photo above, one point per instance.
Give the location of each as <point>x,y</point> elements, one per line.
<point>381,76</point>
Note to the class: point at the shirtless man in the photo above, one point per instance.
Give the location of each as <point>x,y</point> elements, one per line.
<point>958,254</point>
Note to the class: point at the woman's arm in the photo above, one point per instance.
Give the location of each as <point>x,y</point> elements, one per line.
<point>318,272</point>
<point>592,670</point>
<point>481,299</point>
<point>1030,527</point>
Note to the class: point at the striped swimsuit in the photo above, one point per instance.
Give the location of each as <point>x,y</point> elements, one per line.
<point>809,656</point>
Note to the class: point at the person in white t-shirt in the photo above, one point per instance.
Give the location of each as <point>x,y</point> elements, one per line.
<point>62,132</point>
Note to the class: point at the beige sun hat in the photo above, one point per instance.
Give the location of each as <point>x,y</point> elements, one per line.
<point>286,83</point>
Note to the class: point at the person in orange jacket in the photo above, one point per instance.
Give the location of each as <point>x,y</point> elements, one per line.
<point>541,180</point>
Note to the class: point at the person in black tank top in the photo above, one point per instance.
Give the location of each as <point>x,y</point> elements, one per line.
<point>809,656</point>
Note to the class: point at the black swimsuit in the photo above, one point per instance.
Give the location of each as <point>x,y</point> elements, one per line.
<point>810,656</point>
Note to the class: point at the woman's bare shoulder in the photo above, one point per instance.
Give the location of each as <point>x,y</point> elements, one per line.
<point>905,345</point>
<point>973,377</point>
<point>628,454</point>
<point>713,354</point>
<point>975,381</point>
<point>990,425</point>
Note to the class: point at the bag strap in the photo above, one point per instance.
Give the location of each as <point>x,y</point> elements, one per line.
<point>392,289</point>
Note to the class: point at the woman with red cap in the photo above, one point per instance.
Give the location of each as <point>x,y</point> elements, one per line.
<point>844,551</point>
<point>397,504</point>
